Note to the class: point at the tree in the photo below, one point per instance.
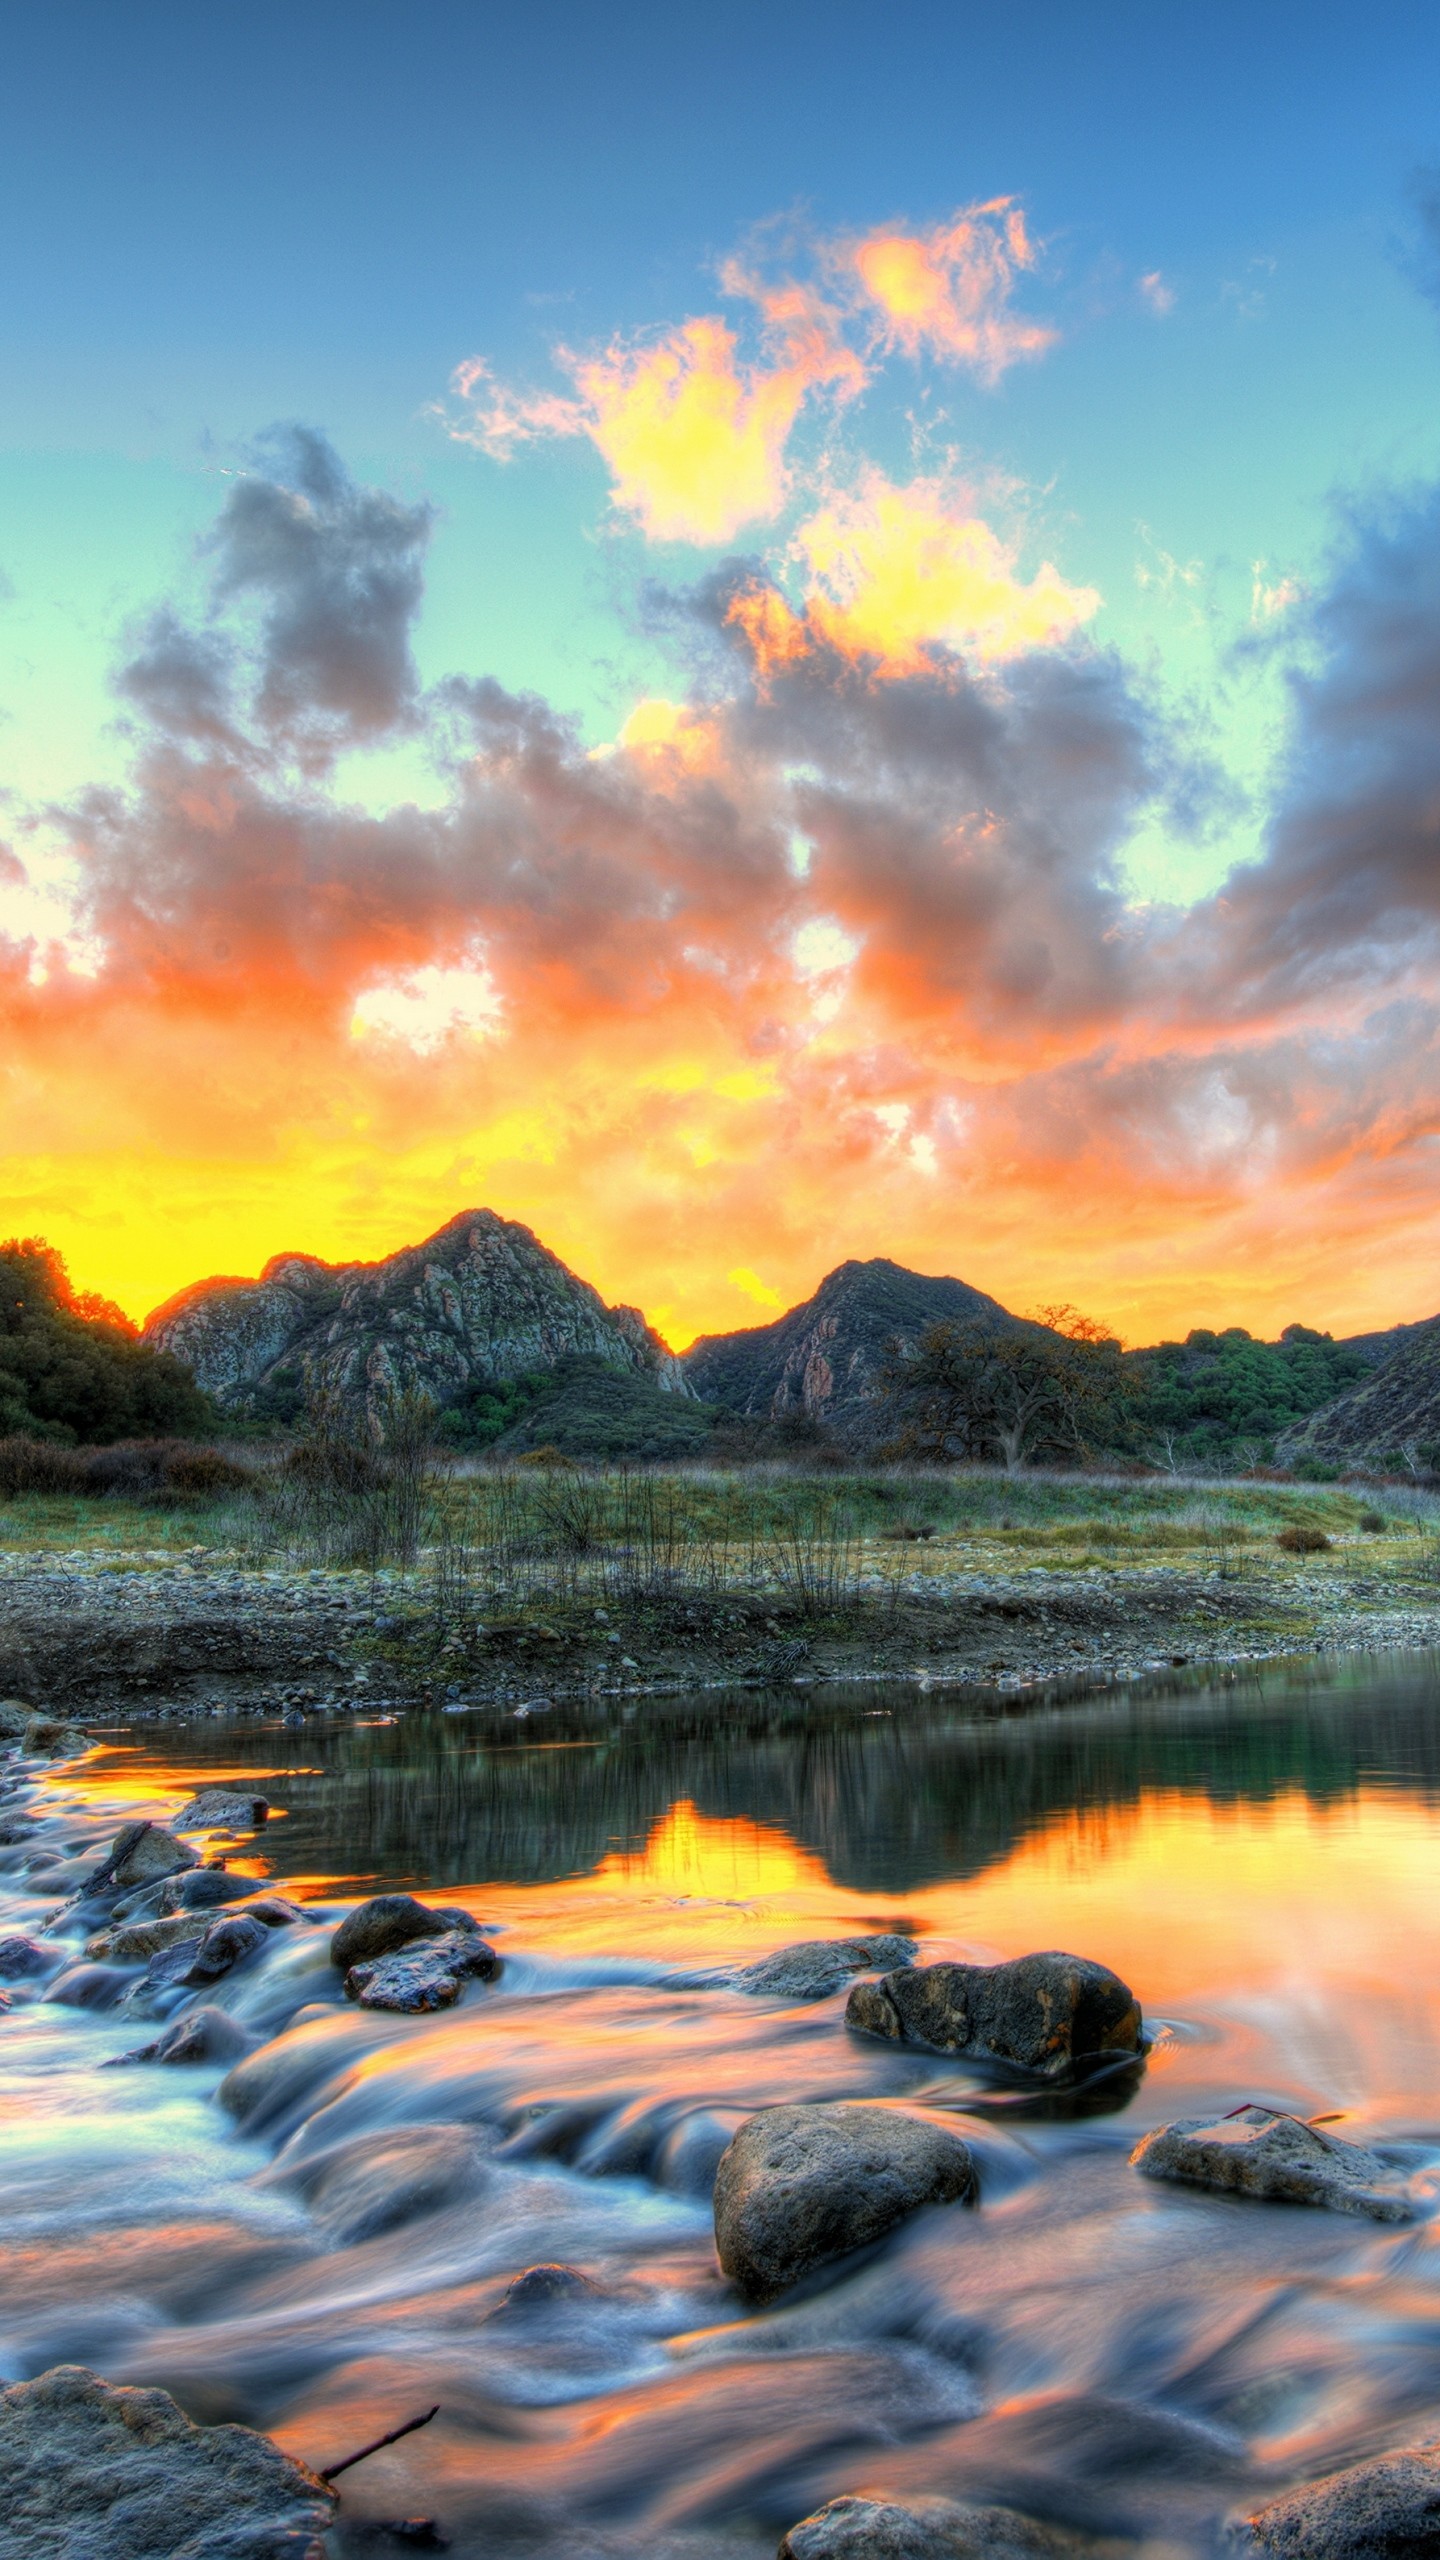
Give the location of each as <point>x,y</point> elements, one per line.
<point>72,1367</point>
<point>1009,1391</point>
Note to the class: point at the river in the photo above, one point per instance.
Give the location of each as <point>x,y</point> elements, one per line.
<point>1258,1860</point>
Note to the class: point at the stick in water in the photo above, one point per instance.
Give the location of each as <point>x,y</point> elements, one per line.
<point>380,2443</point>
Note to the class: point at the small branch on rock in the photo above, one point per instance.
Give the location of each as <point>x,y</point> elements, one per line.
<point>380,2443</point>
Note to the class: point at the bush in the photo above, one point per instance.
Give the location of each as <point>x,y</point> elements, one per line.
<point>38,1466</point>
<point>1374,1523</point>
<point>154,1471</point>
<point>1303,1542</point>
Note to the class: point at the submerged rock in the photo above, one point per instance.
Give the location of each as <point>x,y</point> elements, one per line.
<point>819,1966</point>
<point>1256,2152</point>
<point>541,2290</point>
<point>89,2468</point>
<point>226,1943</point>
<point>799,2186</point>
<point>140,1854</point>
<point>388,1922</point>
<point>425,1976</point>
<point>202,1889</point>
<point>923,2529</point>
<point>223,1809</point>
<point>202,2035</point>
<point>21,1958</point>
<point>1043,2012</point>
<point>1388,2509</point>
<point>378,2181</point>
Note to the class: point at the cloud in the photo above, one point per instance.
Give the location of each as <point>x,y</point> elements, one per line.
<point>1156,294</point>
<point>946,292</point>
<point>695,431</point>
<point>892,573</point>
<point>796,968</point>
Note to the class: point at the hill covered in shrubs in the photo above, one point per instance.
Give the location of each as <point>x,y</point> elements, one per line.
<point>73,1369</point>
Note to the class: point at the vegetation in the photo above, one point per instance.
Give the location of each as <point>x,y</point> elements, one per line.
<point>72,1368</point>
<point>1055,1390</point>
<point>1222,1399</point>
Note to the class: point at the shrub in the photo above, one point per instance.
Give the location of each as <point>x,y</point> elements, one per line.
<point>1303,1542</point>
<point>38,1466</point>
<point>129,1470</point>
<point>1374,1523</point>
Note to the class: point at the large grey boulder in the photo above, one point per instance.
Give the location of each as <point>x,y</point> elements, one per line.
<point>922,2529</point>
<point>799,2186</point>
<point>1043,2012</point>
<point>92,2472</point>
<point>1388,2509</point>
<point>819,1966</point>
<point>1256,2152</point>
<point>388,1922</point>
<point>428,1976</point>
<point>223,1809</point>
<point>141,1853</point>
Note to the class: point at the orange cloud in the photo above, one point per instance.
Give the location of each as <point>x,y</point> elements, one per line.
<point>893,572</point>
<point>946,292</point>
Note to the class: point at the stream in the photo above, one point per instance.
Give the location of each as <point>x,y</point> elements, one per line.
<point>335,2243</point>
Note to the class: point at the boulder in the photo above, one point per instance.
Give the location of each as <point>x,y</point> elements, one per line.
<point>202,2035</point>
<point>387,1923</point>
<point>93,2469</point>
<point>203,1889</point>
<point>1256,2152</point>
<point>799,2186</point>
<point>192,1962</point>
<point>379,2181</point>
<point>923,2529</point>
<point>141,1853</point>
<point>1044,2013</point>
<point>542,2290</point>
<point>1388,2509</point>
<point>819,1966</point>
<point>427,1976</point>
<point>223,1809</point>
<point>21,1958</point>
<point>137,1941</point>
<point>50,1738</point>
<point>14,1717</point>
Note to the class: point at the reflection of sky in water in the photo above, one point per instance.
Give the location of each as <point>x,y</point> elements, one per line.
<point>1260,1868</point>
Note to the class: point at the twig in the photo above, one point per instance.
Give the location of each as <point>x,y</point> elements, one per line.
<point>380,2443</point>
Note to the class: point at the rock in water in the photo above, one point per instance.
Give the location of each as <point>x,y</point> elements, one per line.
<point>799,2186</point>
<point>922,2529</point>
<point>90,2469</point>
<point>1383,2510</point>
<point>429,1976</point>
<point>140,1854</point>
<point>223,1809</point>
<point>191,1962</point>
<point>1044,2012</point>
<point>387,1923</point>
<point>819,1966</point>
<point>202,2035</point>
<point>21,1959</point>
<point>202,1888</point>
<point>1256,2152</point>
<point>14,1717</point>
<point>50,1738</point>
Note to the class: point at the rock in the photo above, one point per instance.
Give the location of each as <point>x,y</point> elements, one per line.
<point>223,1809</point>
<point>379,2181</point>
<point>922,2529</point>
<point>89,1986</point>
<point>140,1854</point>
<point>423,1977</point>
<point>202,1888</point>
<point>819,1966</point>
<point>1388,2509</point>
<point>14,1717</point>
<point>48,1738</point>
<point>1256,2152</point>
<point>799,2186</point>
<point>202,2035</point>
<point>226,1943</point>
<point>1043,2012</point>
<point>22,1958</point>
<point>385,1924</point>
<point>541,2289</point>
<point>90,2469</point>
<point>137,1941</point>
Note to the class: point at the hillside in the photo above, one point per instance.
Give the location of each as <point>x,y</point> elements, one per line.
<point>1391,1418</point>
<point>472,1318</point>
<point>822,1359</point>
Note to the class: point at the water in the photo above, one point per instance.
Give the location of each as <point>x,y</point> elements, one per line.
<point>1259,1862</point>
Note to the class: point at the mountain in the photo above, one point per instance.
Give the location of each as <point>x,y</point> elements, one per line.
<point>481,1306</point>
<point>823,1358</point>
<point>1391,1418</point>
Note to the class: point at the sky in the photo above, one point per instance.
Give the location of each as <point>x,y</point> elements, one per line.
<point>752,636</point>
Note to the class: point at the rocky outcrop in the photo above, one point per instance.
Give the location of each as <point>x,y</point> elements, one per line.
<point>1388,2509</point>
<point>1256,2152</point>
<point>1391,1418</point>
<point>90,2468</point>
<point>477,1305</point>
<point>800,2186</point>
<point>823,1359</point>
<point>923,2529</point>
<point>1044,2013</point>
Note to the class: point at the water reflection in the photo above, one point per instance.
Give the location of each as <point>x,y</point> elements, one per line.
<point>1258,1863</point>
